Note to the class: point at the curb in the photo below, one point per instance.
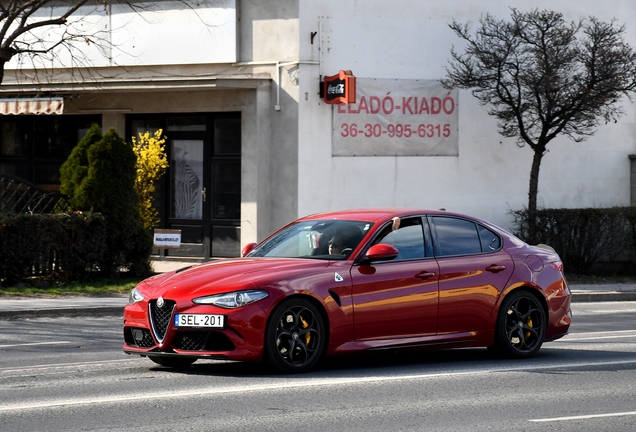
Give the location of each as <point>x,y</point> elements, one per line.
<point>589,297</point>
<point>97,311</point>
<point>103,311</point>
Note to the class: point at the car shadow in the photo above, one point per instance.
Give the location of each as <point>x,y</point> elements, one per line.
<point>417,362</point>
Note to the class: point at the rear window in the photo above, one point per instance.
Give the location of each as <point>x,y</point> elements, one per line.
<point>463,237</point>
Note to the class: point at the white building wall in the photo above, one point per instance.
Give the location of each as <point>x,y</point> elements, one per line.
<point>289,170</point>
<point>410,39</point>
<point>144,35</point>
<point>269,37</point>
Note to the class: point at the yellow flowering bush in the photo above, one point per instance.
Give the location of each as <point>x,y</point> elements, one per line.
<point>151,165</point>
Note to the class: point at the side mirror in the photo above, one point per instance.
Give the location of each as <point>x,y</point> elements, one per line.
<point>248,248</point>
<point>381,252</point>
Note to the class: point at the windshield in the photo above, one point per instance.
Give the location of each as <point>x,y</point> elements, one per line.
<point>320,239</point>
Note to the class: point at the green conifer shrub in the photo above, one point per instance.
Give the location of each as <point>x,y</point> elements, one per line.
<point>109,188</point>
<point>75,169</point>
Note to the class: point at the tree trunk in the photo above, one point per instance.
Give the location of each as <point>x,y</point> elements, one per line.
<point>532,194</point>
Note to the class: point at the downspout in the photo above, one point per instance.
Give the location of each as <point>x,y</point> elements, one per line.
<point>278,78</point>
<point>320,50</point>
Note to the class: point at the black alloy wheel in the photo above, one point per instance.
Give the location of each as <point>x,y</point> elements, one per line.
<point>521,325</point>
<point>173,362</point>
<point>295,336</point>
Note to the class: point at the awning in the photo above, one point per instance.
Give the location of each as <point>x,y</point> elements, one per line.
<point>53,105</point>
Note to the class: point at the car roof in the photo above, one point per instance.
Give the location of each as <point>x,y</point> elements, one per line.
<point>375,214</point>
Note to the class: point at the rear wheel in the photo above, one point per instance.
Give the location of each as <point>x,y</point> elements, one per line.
<point>521,325</point>
<point>295,336</point>
<point>174,362</point>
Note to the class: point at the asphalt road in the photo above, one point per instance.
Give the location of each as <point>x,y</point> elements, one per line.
<point>70,374</point>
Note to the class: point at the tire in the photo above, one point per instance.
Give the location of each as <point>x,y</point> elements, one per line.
<point>521,326</point>
<point>295,336</point>
<point>173,362</point>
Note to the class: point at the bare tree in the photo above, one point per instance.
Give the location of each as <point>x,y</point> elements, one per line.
<point>41,33</point>
<point>543,77</point>
<point>19,19</point>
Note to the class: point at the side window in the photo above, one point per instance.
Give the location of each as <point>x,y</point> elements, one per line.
<point>456,237</point>
<point>408,239</point>
<point>489,240</point>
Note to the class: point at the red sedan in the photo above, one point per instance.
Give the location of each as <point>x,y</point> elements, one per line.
<point>349,281</point>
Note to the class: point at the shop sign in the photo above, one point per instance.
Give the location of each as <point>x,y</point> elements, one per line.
<point>167,239</point>
<point>397,117</point>
<point>339,89</point>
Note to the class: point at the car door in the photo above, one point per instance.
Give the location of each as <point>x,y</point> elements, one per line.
<point>473,271</point>
<point>397,298</point>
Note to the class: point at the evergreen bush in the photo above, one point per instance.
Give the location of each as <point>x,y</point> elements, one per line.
<point>75,169</point>
<point>108,187</point>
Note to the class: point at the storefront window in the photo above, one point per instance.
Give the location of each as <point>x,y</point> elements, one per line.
<point>14,168</point>
<point>227,136</point>
<point>11,140</point>
<point>145,125</point>
<point>186,124</point>
<point>34,147</point>
<point>227,189</point>
<point>187,179</point>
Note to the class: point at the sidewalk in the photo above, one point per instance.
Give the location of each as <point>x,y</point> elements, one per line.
<point>603,292</point>
<point>30,307</point>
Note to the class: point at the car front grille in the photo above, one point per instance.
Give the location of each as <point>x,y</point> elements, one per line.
<point>190,341</point>
<point>202,341</point>
<point>160,317</point>
<point>139,337</point>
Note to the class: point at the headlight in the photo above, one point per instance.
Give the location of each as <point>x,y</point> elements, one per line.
<point>232,300</point>
<point>135,296</point>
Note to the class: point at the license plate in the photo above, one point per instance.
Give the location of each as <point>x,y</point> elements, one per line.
<point>199,320</point>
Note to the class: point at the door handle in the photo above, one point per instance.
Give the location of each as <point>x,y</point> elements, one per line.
<point>425,275</point>
<point>205,194</point>
<point>495,268</point>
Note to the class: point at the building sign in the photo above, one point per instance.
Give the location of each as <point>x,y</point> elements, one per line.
<point>339,89</point>
<point>167,239</point>
<point>397,117</point>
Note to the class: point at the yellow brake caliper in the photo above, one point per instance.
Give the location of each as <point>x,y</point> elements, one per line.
<point>529,322</point>
<point>305,325</point>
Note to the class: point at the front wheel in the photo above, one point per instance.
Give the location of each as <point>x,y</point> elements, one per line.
<point>521,325</point>
<point>295,336</point>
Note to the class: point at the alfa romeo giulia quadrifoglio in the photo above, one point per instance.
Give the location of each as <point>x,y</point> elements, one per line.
<point>351,281</point>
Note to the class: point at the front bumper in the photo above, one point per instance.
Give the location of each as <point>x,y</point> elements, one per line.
<point>154,334</point>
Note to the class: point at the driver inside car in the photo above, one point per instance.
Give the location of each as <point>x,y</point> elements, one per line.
<point>344,241</point>
<point>335,245</point>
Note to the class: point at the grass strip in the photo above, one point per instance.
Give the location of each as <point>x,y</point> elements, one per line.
<point>107,287</point>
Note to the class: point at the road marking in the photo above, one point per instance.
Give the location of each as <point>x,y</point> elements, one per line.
<point>55,365</point>
<point>602,332</point>
<point>290,383</point>
<point>576,339</point>
<point>603,312</point>
<point>35,343</point>
<point>583,417</point>
<point>598,335</point>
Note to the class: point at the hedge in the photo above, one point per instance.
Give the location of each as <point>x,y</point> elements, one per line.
<point>99,176</point>
<point>585,237</point>
<point>60,247</point>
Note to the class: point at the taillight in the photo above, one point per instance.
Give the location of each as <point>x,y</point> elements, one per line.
<point>557,265</point>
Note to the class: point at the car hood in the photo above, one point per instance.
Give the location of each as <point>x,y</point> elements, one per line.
<point>227,275</point>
